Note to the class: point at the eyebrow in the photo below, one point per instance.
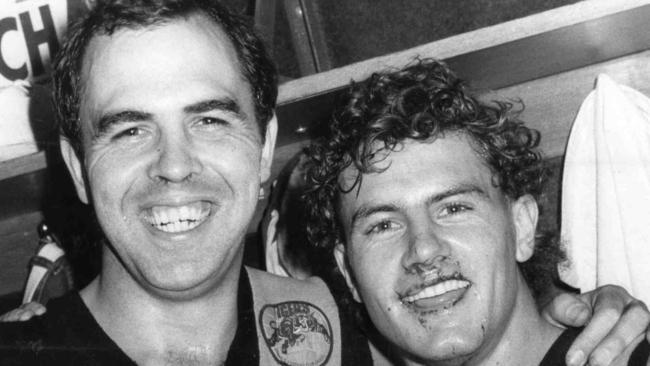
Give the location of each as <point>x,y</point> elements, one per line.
<point>226,105</point>
<point>366,211</point>
<point>471,189</point>
<point>106,121</point>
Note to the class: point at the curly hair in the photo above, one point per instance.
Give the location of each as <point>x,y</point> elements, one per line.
<point>421,102</point>
<point>109,16</point>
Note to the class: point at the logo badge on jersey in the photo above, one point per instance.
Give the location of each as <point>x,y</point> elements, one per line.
<point>297,333</point>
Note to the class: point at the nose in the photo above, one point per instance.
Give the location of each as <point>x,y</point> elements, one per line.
<point>425,249</point>
<point>176,159</point>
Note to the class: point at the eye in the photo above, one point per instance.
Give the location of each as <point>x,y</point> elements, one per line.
<point>455,209</point>
<point>382,226</point>
<point>130,132</point>
<point>211,121</point>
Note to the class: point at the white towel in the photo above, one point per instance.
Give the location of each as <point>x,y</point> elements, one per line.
<point>606,192</point>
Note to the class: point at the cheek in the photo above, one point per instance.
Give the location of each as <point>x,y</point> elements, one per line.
<point>492,268</point>
<point>112,178</point>
<point>375,272</point>
<point>240,173</point>
<point>105,177</point>
<point>485,247</point>
<point>238,161</point>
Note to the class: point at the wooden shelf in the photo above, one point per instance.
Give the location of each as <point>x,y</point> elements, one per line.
<point>22,165</point>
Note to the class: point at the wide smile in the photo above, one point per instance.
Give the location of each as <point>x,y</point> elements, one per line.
<point>177,219</point>
<point>439,295</point>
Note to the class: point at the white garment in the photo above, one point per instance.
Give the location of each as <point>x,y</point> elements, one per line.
<point>606,192</point>
<point>16,135</point>
<point>271,246</point>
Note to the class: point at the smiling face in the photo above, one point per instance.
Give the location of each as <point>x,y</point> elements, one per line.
<point>432,249</point>
<point>173,155</point>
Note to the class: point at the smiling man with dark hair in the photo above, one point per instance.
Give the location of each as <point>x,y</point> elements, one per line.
<point>166,113</point>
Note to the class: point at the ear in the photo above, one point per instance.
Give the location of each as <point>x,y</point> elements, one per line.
<point>342,262</point>
<point>525,214</point>
<point>75,167</point>
<point>268,148</point>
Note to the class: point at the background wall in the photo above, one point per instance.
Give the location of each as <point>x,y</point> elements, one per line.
<point>356,30</point>
<point>360,29</point>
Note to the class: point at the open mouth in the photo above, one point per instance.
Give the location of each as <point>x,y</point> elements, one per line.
<point>436,295</point>
<point>176,219</point>
<point>439,289</point>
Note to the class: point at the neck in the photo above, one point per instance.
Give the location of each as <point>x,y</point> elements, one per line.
<point>154,329</point>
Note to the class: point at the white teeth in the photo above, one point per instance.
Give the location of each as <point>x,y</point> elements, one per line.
<point>174,219</point>
<point>161,216</point>
<point>174,215</point>
<point>438,289</point>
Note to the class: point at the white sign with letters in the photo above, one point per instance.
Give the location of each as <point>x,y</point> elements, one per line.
<point>30,34</point>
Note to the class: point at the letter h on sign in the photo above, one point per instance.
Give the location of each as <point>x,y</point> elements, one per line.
<point>33,39</point>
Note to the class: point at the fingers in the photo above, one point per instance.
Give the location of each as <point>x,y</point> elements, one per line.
<point>604,319</point>
<point>567,310</point>
<point>32,309</point>
<point>633,321</point>
<point>617,320</point>
<point>24,312</point>
<point>11,316</point>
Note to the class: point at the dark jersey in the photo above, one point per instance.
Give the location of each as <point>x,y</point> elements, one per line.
<point>295,325</point>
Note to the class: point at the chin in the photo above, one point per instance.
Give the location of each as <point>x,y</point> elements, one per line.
<point>445,347</point>
<point>449,354</point>
<point>179,279</point>
<point>180,289</point>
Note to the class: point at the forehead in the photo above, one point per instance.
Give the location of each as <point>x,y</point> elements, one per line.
<point>419,169</point>
<point>176,61</point>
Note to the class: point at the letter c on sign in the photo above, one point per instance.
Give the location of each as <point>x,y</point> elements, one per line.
<point>6,25</point>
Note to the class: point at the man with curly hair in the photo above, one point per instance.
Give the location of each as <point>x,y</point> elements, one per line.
<point>427,198</point>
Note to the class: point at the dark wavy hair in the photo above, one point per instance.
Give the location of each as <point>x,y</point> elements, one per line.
<point>423,101</point>
<point>109,16</point>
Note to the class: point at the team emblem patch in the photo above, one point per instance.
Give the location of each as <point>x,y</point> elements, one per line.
<point>297,333</point>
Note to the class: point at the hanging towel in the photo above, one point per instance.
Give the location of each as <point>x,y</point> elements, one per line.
<point>606,192</point>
